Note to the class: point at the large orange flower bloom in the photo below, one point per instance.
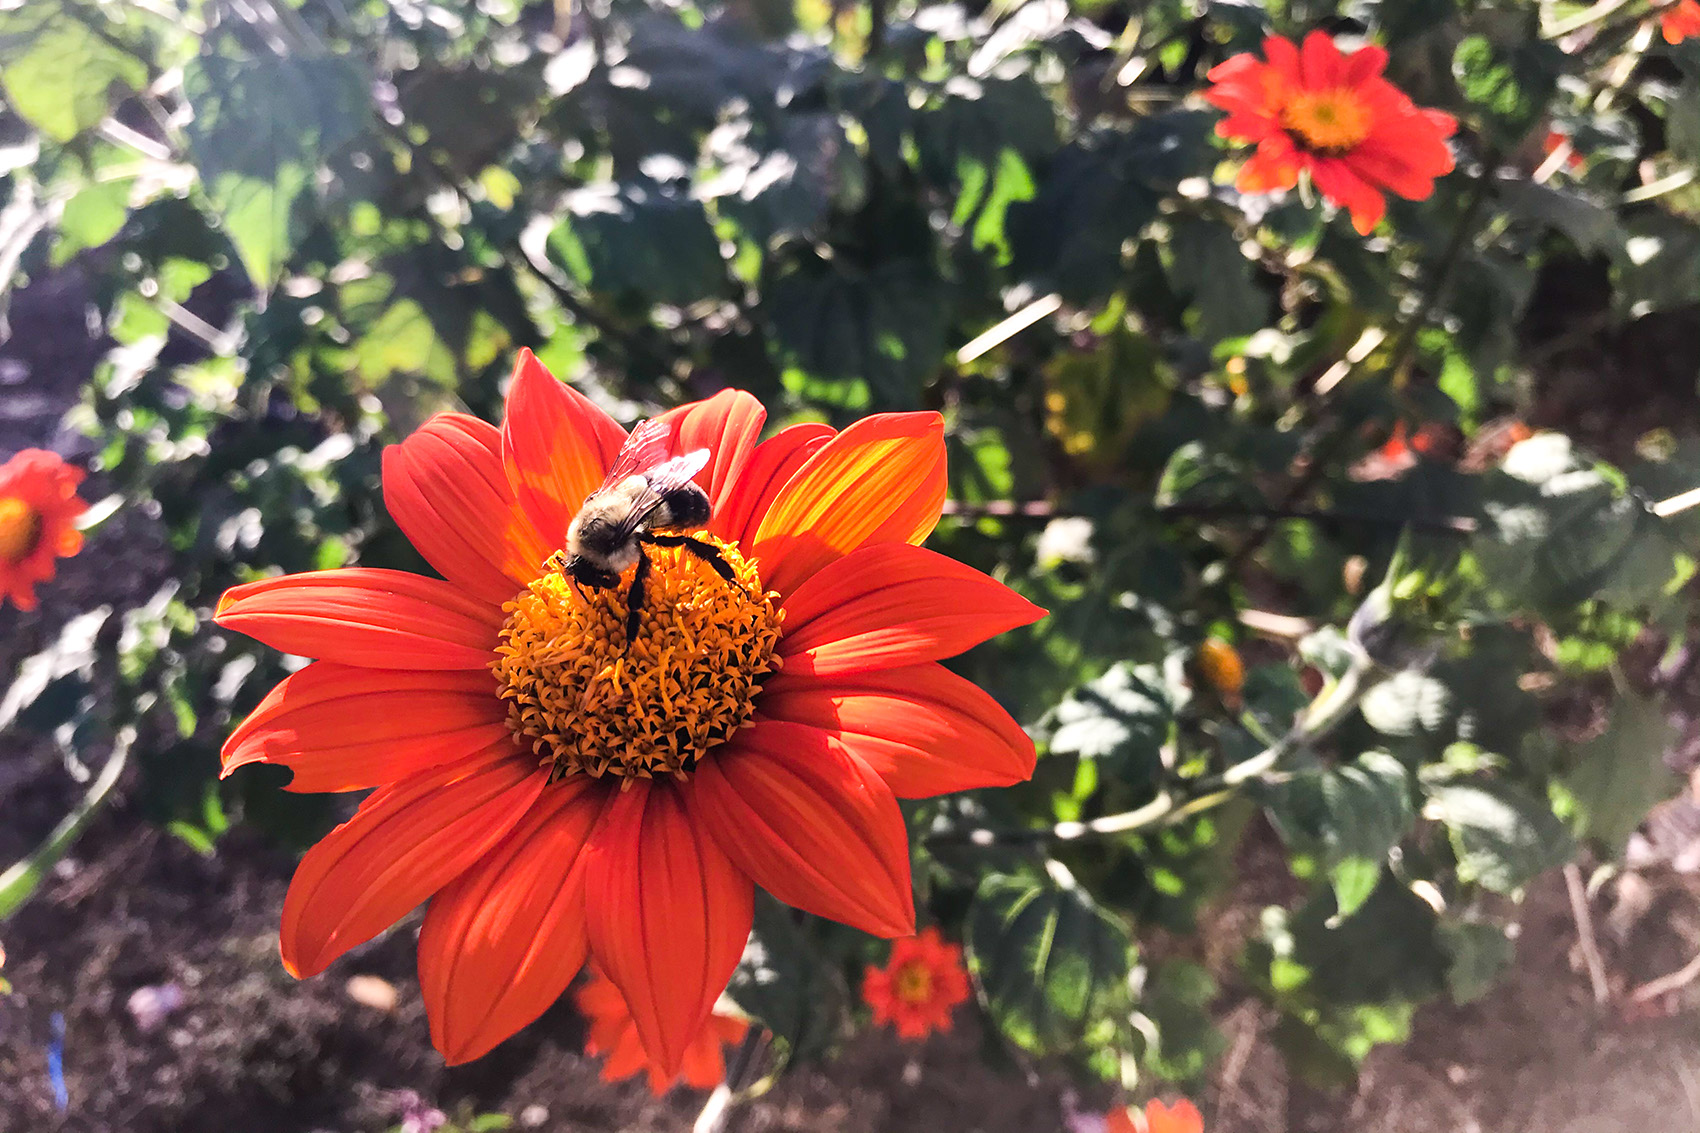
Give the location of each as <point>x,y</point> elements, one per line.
<point>1334,118</point>
<point>614,1035</point>
<point>1681,21</point>
<point>39,508</point>
<point>1182,1117</point>
<point>920,985</point>
<point>560,793</point>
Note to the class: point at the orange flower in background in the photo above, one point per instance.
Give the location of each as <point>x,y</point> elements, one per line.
<point>560,793</point>
<point>1332,117</point>
<point>39,509</point>
<point>614,1035</point>
<point>920,985</point>
<point>1182,1117</point>
<point>1681,21</point>
<point>1556,138</point>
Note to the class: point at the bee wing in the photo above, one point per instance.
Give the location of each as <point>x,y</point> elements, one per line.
<point>648,446</point>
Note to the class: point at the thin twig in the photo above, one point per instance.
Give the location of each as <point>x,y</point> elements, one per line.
<point>1585,932</point>
<point>717,1109</point>
<point>1665,984</point>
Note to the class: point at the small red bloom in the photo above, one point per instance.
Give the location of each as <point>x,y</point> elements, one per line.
<point>1681,21</point>
<point>1332,117</point>
<point>919,986</point>
<point>38,510</point>
<point>1554,139</point>
<point>1182,1117</point>
<point>614,1035</point>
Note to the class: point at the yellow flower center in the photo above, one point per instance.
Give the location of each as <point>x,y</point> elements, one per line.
<point>914,983</point>
<point>590,703</point>
<point>20,530</point>
<point>1326,121</point>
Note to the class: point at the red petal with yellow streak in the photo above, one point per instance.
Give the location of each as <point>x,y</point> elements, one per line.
<point>892,604</point>
<point>506,937</point>
<point>447,490</point>
<point>810,823</point>
<point>377,619</point>
<point>769,469</point>
<point>924,729</point>
<point>556,446</point>
<point>341,728</point>
<point>727,425</point>
<point>405,843</point>
<point>669,915</point>
<point>882,480</point>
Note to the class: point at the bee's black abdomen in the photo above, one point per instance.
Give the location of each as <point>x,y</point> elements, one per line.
<point>685,506</point>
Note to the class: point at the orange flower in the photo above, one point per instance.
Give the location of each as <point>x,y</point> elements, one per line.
<point>614,1035</point>
<point>1334,118</point>
<point>919,987</point>
<point>38,510</point>
<point>1182,1117</point>
<point>1220,665</point>
<point>560,793</point>
<point>1681,21</point>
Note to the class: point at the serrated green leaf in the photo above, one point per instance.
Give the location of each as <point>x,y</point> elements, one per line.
<point>1348,818</point>
<point>1621,773</point>
<point>1176,999</point>
<point>1408,704</point>
<point>1122,718</point>
<point>1503,837</point>
<point>643,239</point>
<point>1050,964</point>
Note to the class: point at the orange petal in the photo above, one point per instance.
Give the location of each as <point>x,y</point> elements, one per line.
<point>446,489</point>
<point>340,728</point>
<point>377,619</point>
<point>1336,181</point>
<point>810,823</point>
<point>727,425</point>
<point>505,938</point>
<point>892,604</point>
<point>882,480</point>
<point>557,447</point>
<point>1182,1117</point>
<point>669,915</point>
<point>1320,61</point>
<point>924,729</point>
<point>769,469</point>
<point>405,842</point>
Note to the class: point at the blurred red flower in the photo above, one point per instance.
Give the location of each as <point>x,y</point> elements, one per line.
<point>919,987</point>
<point>39,508</point>
<point>614,1035</point>
<point>1332,117</point>
<point>1182,1117</point>
<point>1681,21</point>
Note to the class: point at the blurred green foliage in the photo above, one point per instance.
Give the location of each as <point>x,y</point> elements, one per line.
<point>305,225</point>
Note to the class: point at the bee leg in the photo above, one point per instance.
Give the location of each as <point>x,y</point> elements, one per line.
<point>702,549</point>
<point>634,598</point>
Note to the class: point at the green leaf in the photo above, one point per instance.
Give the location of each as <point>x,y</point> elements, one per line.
<point>92,217</point>
<point>1409,703</point>
<point>785,982</point>
<point>884,323</point>
<point>61,74</point>
<point>1622,773</point>
<point>642,239</point>
<point>1209,266</point>
<point>1346,817</point>
<point>1051,965</point>
<point>1503,837</point>
<point>1480,953</point>
<point>262,127</point>
<point>1176,999</point>
<point>1121,718</point>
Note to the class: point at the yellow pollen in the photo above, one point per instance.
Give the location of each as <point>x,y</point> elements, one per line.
<point>1327,121</point>
<point>20,529</point>
<point>590,703</point>
<point>914,983</point>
